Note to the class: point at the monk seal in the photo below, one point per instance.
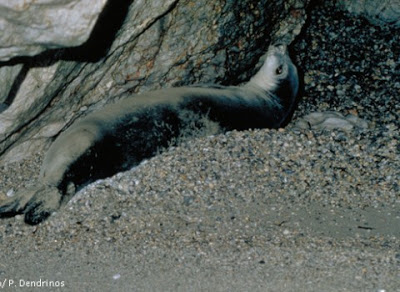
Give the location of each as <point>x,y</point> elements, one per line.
<point>122,134</point>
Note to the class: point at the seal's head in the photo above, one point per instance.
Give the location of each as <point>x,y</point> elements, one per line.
<point>278,75</point>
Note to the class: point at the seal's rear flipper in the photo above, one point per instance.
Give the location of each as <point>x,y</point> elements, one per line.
<point>37,203</point>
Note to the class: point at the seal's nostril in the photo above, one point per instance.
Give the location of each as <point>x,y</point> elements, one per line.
<point>281,47</point>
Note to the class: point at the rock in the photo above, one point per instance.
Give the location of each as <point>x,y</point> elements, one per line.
<point>30,27</point>
<point>330,121</point>
<point>378,12</point>
<point>135,46</point>
<point>8,75</point>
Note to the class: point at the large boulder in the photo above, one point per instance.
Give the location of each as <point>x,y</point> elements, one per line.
<point>30,27</point>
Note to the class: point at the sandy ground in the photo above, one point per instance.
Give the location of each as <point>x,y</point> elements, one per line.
<point>262,210</point>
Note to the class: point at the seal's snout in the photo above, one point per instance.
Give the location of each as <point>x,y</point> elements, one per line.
<point>279,48</point>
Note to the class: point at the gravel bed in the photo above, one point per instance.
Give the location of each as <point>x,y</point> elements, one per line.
<point>260,210</point>
<point>350,66</point>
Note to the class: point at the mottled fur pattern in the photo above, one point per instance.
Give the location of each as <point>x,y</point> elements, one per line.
<point>121,135</point>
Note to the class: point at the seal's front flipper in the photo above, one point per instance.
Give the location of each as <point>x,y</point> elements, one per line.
<point>37,203</point>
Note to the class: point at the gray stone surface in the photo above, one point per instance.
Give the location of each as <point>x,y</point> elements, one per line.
<point>8,75</point>
<point>30,27</point>
<point>378,12</point>
<point>330,121</point>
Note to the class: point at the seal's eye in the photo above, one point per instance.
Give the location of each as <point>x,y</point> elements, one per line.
<point>279,70</point>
